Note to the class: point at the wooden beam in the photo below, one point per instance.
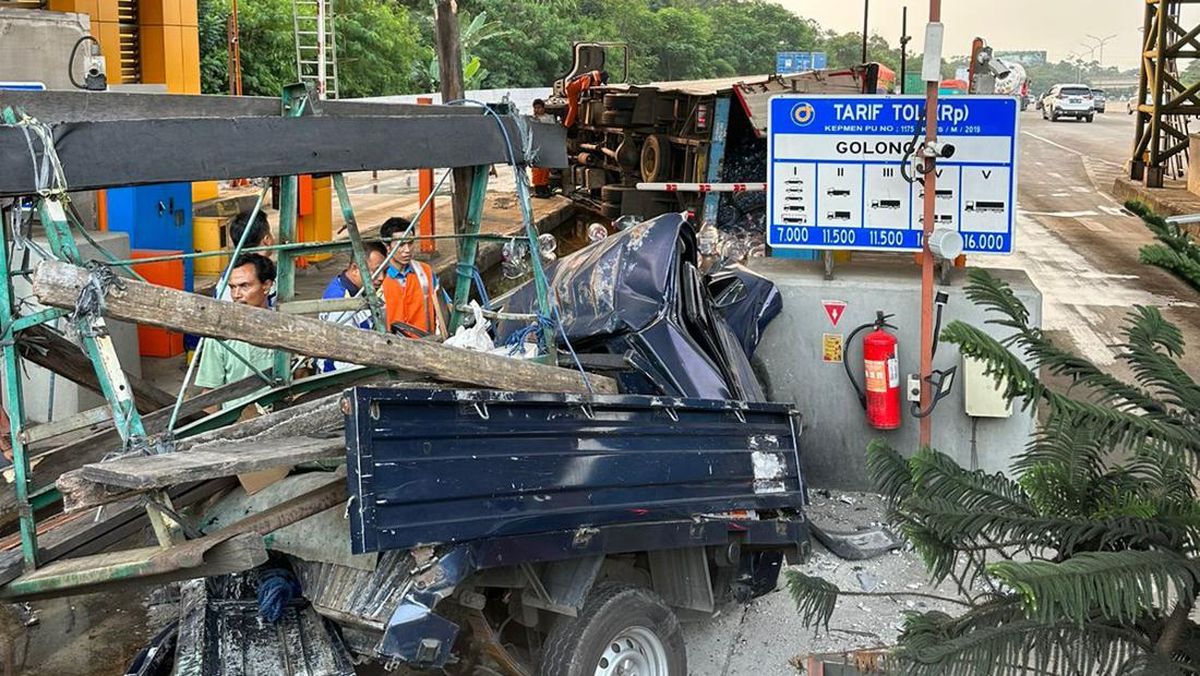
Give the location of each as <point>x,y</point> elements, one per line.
<point>51,351</point>
<point>146,472</point>
<point>314,307</point>
<point>236,547</point>
<point>315,418</point>
<point>82,534</point>
<point>46,467</point>
<point>57,284</point>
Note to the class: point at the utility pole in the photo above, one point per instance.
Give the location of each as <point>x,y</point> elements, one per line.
<point>450,76</point>
<point>866,11</point>
<point>904,38</point>
<point>930,174</point>
<point>234,51</point>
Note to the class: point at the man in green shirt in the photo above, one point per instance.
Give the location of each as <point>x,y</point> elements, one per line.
<point>250,283</point>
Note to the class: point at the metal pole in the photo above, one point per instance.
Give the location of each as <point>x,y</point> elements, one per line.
<point>866,11</point>
<point>927,337</point>
<point>903,45</point>
<point>321,50</point>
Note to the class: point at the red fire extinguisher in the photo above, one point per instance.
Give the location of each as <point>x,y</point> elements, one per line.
<point>880,395</point>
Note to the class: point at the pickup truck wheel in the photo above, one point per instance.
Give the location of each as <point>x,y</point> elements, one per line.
<point>621,630</point>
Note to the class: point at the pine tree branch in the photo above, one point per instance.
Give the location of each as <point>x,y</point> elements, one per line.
<point>1121,586</point>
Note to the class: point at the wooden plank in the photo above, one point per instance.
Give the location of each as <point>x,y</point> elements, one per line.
<point>82,533</point>
<point>144,472</point>
<point>46,467</point>
<point>313,307</point>
<point>233,548</point>
<point>309,419</point>
<point>51,351</point>
<point>57,284</point>
<point>148,565</point>
<point>91,418</point>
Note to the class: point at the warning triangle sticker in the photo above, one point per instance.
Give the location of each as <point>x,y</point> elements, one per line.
<point>835,309</point>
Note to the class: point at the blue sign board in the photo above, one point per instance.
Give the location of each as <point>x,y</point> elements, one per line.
<point>799,62</point>
<point>841,176</point>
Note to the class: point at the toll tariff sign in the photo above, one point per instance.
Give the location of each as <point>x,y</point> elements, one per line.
<point>840,174</point>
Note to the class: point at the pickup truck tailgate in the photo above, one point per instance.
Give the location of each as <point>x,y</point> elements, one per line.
<point>440,466</point>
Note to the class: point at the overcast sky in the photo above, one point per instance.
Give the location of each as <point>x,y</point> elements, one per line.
<point>1057,26</point>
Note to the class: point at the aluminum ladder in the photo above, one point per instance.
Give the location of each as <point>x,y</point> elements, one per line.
<point>316,46</point>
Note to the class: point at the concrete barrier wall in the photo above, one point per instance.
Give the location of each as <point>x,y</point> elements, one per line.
<point>835,435</point>
<point>35,46</point>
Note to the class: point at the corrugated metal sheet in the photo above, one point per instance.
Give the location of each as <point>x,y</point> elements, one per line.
<point>436,466</point>
<point>219,637</point>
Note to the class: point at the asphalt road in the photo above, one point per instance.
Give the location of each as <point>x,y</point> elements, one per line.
<point>1080,248</point>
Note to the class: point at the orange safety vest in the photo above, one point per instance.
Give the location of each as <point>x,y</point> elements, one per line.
<point>412,300</point>
<point>573,89</point>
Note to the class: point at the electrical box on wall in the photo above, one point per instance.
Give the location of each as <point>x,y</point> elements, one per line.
<point>982,396</point>
<point>156,217</point>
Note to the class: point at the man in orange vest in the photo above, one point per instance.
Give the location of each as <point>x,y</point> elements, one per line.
<point>410,289</point>
<point>578,86</point>
<point>540,176</point>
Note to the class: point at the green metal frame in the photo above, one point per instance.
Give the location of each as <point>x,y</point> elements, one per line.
<point>58,217</point>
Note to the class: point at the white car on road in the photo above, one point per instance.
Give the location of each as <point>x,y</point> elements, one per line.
<point>1069,100</point>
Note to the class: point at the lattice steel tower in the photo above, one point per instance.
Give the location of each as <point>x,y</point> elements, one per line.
<point>1164,103</point>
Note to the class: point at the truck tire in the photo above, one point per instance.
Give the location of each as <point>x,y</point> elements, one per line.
<point>656,158</point>
<point>616,118</point>
<point>614,193</point>
<point>621,628</point>
<point>620,101</point>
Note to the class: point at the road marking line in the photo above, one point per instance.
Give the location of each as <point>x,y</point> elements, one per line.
<point>1059,214</point>
<point>1093,225</point>
<point>1070,150</point>
<point>1055,174</point>
<point>1112,211</point>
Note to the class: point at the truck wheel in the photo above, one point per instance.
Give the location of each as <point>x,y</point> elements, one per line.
<point>616,118</point>
<point>1089,118</point>
<point>621,629</point>
<point>656,158</point>
<point>620,101</point>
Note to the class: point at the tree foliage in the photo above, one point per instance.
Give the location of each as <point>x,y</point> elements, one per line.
<point>1178,252</point>
<point>378,44</point>
<point>387,46</point>
<point>1085,561</point>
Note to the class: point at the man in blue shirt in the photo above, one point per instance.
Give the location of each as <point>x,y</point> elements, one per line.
<point>346,285</point>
